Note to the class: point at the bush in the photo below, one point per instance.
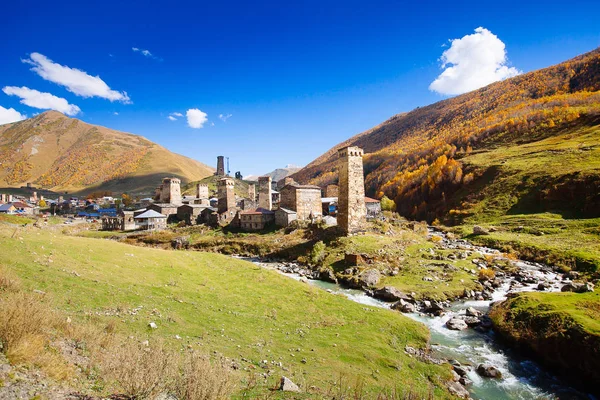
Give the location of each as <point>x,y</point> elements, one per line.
<point>387,204</point>
<point>486,274</point>
<point>317,254</point>
<point>200,380</point>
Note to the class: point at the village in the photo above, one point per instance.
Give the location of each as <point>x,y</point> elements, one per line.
<point>266,205</point>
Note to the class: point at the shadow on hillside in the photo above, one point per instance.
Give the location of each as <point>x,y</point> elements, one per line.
<point>143,185</point>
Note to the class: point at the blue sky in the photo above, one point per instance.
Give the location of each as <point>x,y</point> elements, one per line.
<point>295,78</point>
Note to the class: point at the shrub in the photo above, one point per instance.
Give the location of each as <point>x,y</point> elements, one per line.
<point>317,254</point>
<point>200,380</point>
<point>486,274</point>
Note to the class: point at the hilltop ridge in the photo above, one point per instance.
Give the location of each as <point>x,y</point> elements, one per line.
<point>60,153</point>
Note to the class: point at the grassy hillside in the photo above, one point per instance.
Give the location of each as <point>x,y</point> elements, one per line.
<point>416,158</point>
<point>64,154</point>
<point>241,186</point>
<point>217,304</point>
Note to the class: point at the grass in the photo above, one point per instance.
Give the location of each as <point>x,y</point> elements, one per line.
<point>561,330</point>
<point>231,307</point>
<point>541,197</point>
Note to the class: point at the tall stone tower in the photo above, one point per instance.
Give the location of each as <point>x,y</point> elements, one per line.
<point>170,191</point>
<point>226,195</point>
<point>202,191</point>
<point>351,200</point>
<point>252,192</point>
<point>265,197</point>
<point>220,166</point>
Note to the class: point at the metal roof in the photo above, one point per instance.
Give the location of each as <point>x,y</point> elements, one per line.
<point>150,214</point>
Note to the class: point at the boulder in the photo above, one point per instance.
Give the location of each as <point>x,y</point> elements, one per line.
<point>369,278</point>
<point>456,324</point>
<point>472,312</point>
<point>287,385</point>
<point>458,390</point>
<point>578,287</point>
<point>152,325</point>
<point>327,275</point>
<point>478,230</point>
<point>403,306</point>
<point>488,371</point>
<point>389,293</point>
<point>472,321</point>
<point>434,308</point>
<point>466,382</point>
<point>461,370</point>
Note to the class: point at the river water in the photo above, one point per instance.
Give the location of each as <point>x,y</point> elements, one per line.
<point>522,378</point>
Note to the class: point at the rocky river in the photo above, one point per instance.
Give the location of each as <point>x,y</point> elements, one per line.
<point>461,333</point>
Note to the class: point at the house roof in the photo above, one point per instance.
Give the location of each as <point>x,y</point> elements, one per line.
<point>20,204</point>
<point>285,210</point>
<point>258,211</point>
<point>329,199</point>
<point>298,186</point>
<point>150,214</point>
<point>163,205</point>
<point>6,207</point>
<point>370,200</point>
<point>194,205</point>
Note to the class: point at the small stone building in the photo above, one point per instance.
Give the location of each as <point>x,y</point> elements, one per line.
<point>304,199</point>
<point>190,213</point>
<point>170,191</point>
<point>373,207</point>
<point>167,209</point>
<point>331,191</point>
<point>209,216</point>
<point>284,217</point>
<point>256,220</point>
<point>151,220</point>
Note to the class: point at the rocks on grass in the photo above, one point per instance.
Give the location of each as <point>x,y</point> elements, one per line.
<point>578,287</point>
<point>478,230</point>
<point>369,278</point>
<point>286,385</point>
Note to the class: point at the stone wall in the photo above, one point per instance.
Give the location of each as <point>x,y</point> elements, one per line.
<point>304,199</point>
<point>202,191</point>
<point>252,192</point>
<point>332,191</point>
<point>264,193</point>
<point>226,195</point>
<point>351,200</point>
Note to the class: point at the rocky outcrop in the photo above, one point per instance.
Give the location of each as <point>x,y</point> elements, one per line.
<point>390,293</point>
<point>578,287</point>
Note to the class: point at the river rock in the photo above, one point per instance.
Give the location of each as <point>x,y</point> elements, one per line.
<point>369,278</point>
<point>466,382</point>
<point>489,371</point>
<point>433,307</point>
<point>287,385</point>
<point>403,306</point>
<point>472,321</point>
<point>578,287</point>
<point>478,230</point>
<point>327,275</point>
<point>472,312</point>
<point>458,390</point>
<point>389,293</point>
<point>543,286</point>
<point>456,324</point>
<point>461,370</point>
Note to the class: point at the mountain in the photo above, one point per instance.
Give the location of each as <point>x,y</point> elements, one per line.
<point>277,174</point>
<point>527,144</point>
<point>56,152</point>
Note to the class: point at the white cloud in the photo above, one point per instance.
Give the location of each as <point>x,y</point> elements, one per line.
<point>225,117</point>
<point>116,113</point>
<point>196,118</point>
<point>472,62</point>
<point>172,118</point>
<point>44,101</point>
<point>75,80</point>
<point>145,53</point>
<point>8,115</point>
<point>177,114</point>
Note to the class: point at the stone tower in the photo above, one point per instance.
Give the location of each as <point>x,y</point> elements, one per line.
<point>252,192</point>
<point>351,200</point>
<point>220,166</point>
<point>226,195</point>
<point>170,191</point>
<point>202,191</point>
<point>265,196</point>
